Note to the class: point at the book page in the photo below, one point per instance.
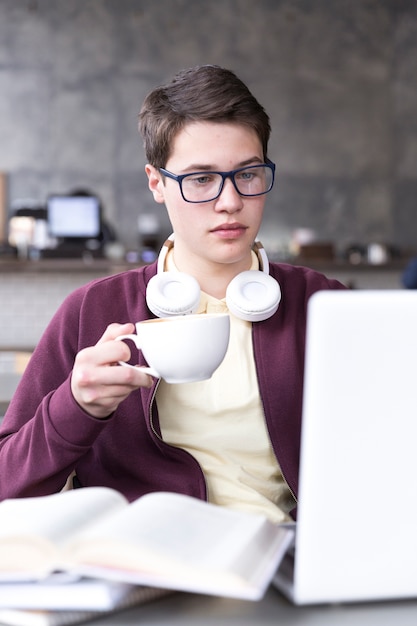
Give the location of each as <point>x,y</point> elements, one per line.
<point>178,536</point>
<point>32,526</point>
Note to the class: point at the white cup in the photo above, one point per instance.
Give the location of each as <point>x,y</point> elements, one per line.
<point>182,349</point>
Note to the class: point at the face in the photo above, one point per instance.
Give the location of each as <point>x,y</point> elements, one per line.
<point>221,232</point>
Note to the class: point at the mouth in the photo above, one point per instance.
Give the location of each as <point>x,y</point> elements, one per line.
<point>229,231</point>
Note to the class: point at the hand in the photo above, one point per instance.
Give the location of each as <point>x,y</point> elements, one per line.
<point>98,383</point>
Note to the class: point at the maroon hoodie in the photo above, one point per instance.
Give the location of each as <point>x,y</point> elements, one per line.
<point>45,435</point>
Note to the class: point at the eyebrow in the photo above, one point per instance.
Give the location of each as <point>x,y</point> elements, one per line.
<point>200,167</point>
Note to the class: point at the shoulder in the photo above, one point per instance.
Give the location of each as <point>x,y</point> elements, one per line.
<point>293,278</point>
<point>89,309</point>
<point>298,284</point>
<point>128,281</point>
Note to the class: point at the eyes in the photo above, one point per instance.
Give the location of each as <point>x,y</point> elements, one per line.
<point>200,179</point>
<point>253,180</point>
<point>213,178</point>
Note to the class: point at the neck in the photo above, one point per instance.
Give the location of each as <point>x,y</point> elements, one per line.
<point>213,278</point>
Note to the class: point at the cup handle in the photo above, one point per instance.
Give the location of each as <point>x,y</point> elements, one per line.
<point>146,370</point>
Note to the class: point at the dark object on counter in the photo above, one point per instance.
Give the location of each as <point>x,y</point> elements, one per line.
<point>107,234</point>
<point>409,276</point>
<point>71,251</point>
<point>73,218</point>
<point>76,221</point>
<point>38,212</point>
<point>355,253</point>
<point>317,251</point>
<point>7,251</point>
<point>375,253</point>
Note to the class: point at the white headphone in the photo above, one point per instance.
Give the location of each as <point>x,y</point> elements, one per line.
<point>252,295</point>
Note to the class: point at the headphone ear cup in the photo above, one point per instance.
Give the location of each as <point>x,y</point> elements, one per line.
<point>172,293</point>
<point>253,296</point>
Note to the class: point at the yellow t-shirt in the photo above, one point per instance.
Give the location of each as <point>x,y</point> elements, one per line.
<point>220,421</point>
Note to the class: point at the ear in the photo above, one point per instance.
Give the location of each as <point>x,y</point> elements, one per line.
<point>155,183</point>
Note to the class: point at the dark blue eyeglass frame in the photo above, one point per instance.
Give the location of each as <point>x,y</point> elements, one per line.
<point>180,177</point>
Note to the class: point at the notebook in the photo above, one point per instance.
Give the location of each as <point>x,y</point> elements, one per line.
<point>356,531</point>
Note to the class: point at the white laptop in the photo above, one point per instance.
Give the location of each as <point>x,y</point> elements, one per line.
<point>356,531</point>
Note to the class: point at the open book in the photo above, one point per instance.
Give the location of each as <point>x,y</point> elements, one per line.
<point>163,540</point>
<point>63,592</point>
<point>60,617</point>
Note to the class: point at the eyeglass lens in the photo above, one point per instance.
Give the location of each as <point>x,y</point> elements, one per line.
<point>205,186</point>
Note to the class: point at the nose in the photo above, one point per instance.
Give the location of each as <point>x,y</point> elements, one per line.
<point>230,199</point>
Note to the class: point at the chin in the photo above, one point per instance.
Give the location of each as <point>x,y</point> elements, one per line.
<point>235,253</point>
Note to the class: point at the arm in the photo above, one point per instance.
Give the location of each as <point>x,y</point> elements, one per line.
<point>55,415</point>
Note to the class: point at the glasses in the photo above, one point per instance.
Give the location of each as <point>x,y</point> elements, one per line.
<point>254,180</point>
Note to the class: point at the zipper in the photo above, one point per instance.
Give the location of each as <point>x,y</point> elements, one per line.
<point>255,342</point>
<point>276,456</point>
<point>158,436</point>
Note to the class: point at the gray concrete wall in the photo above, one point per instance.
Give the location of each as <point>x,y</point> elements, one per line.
<point>338,78</point>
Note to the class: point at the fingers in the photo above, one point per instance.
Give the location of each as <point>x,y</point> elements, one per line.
<point>115,330</point>
<point>97,384</point>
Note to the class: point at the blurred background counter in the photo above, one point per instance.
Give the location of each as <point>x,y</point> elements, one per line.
<point>31,291</point>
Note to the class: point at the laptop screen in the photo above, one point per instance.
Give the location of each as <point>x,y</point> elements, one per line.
<point>357,509</point>
<point>73,217</point>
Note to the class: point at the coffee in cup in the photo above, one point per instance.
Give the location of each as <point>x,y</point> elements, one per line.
<point>182,349</point>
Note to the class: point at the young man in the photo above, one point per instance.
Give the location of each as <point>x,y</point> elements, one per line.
<point>233,439</point>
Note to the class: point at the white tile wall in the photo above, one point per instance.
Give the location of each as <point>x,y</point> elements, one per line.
<point>28,301</point>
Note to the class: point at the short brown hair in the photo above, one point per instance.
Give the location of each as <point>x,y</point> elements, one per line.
<point>202,93</point>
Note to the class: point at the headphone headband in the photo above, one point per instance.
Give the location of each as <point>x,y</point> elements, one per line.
<point>166,247</point>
